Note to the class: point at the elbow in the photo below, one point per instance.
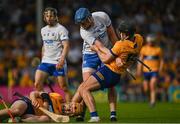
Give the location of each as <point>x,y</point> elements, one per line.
<point>105,60</point>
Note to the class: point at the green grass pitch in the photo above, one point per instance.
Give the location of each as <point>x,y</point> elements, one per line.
<point>139,113</point>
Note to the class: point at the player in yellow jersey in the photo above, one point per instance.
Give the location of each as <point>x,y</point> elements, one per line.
<point>116,61</point>
<point>27,108</point>
<point>152,56</point>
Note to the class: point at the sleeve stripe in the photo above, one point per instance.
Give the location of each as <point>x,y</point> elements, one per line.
<point>108,25</point>
<point>113,53</point>
<point>94,41</point>
<point>65,39</point>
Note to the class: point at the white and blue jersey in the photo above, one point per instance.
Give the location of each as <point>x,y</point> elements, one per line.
<point>97,31</point>
<point>52,45</point>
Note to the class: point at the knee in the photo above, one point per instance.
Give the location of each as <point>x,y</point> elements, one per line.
<point>16,112</point>
<point>82,90</point>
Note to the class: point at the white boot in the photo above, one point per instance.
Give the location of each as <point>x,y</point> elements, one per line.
<point>94,119</point>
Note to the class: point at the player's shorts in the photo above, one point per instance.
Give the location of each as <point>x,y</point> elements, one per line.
<point>90,61</point>
<point>51,69</point>
<point>149,75</point>
<point>29,109</point>
<point>106,77</point>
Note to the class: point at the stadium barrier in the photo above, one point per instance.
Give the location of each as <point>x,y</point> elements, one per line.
<point>7,92</point>
<point>174,94</point>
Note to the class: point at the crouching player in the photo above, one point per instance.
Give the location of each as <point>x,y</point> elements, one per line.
<point>28,110</point>
<point>116,60</point>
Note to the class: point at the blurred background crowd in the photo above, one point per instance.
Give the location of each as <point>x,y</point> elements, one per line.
<point>18,45</point>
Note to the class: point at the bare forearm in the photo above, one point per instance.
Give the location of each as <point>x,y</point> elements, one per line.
<point>42,52</point>
<point>65,50</point>
<point>139,66</point>
<point>103,52</point>
<point>101,56</point>
<point>161,65</point>
<point>104,55</point>
<point>112,35</point>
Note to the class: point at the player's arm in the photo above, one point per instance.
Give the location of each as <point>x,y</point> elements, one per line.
<point>104,53</point>
<point>65,49</point>
<point>65,42</point>
<point>111,34</point>
<point>139,66</point>
<point>110,30</point>
<point>33,96</point>
<point>42,52</point>
<point>161,62</point>
<point>36,94</point>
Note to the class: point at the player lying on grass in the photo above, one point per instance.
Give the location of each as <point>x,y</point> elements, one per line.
<point>28,110</point>
<point>116,61</point>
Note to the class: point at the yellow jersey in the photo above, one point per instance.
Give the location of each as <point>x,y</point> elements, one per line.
<point>123,49</point>
<point>56,99</point>
<point>151,57</point>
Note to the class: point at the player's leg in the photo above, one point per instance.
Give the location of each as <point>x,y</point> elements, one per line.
<point>41,75</point>
<point>112,98</point>
<point>34,118</point>
<point>40,78</point>
<point>146,85</point>
<point>145,89</point>
<point>102,78</point>
<point>86,74</point>
<point>85,89</point>
<point>152,87</point>
<point>63,85</point>
<point>90,64</point>
<point>77,97</point>
<point>62,80</point>
<point>18,108</point>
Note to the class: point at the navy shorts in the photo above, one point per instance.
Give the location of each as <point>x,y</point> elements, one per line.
<point>106,77</point>
<point>51,69</point>
<point>149,75</point>
<point>29,109</point>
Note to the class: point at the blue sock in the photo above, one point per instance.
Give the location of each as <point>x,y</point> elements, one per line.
<point>94,114</point>
<point>113,113</point>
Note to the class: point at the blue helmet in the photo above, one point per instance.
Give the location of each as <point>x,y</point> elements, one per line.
<point>81,14</point>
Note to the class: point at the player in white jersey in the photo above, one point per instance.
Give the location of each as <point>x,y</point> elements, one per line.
<point>54,51</point>
<point>96,28</point>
